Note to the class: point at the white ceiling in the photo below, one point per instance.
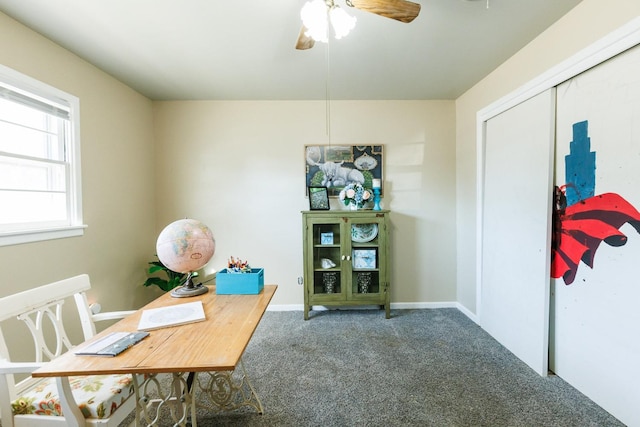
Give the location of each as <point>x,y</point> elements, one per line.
<point>213,49</point>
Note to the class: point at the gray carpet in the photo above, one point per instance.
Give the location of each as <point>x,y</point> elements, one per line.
<point>431,367</point>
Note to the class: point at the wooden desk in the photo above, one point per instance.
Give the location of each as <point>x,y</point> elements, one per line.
<point>216,344</point>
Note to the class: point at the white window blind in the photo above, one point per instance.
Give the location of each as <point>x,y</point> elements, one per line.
<point>39,161</point>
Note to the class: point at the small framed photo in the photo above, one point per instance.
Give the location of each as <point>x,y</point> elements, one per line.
<point>326,238</point>
<point>364,258</point>
<point>318,198</point>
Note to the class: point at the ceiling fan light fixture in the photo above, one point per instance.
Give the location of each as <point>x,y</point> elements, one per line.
<point>341,22</point>
<point>316,15</point>
<point>314,18</point>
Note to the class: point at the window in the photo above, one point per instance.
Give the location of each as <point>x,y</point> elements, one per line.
<point>40,192</point>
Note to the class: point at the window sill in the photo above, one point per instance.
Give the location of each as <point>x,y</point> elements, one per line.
<point>19,237</point>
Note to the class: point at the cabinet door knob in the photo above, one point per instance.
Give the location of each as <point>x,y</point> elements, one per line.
<point>343,257</point>
<point>348,257</point>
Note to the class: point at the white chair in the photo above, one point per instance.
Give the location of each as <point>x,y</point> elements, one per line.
<point>103,400</point>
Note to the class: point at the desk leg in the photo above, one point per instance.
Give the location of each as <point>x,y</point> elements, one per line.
<point>152,400</point>
<point>226,390</point>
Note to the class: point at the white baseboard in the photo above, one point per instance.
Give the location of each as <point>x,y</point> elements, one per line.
<point>467,312</point>
<point>285,307</point>
<point>394,305</point>
<point>417,305</point>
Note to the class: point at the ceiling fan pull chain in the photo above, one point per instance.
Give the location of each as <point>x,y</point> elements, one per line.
<point>327,113</point>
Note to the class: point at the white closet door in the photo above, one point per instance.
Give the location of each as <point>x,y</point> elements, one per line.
<point>596,320</point>
<point>516,228</point>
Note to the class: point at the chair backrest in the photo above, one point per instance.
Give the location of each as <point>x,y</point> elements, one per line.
<point>41,310</point>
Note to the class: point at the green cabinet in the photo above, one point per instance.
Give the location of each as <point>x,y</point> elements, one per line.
<point>346,258</point>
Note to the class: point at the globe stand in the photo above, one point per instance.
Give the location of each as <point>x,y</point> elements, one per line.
<point>189,289</point>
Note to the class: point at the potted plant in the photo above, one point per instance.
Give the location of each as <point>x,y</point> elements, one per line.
<point>172,281</point>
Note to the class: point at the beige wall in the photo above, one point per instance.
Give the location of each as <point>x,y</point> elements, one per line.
<point>585,24</point>
<point>238,166</point>
<point>117,178</point>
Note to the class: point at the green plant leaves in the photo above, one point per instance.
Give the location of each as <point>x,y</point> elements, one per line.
<point>172,281</point>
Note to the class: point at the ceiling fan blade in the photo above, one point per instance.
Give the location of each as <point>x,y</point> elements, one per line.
<point>400,10</point>
<point>304,41</point>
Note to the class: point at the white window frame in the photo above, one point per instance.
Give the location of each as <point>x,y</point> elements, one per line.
<point>73,225</point>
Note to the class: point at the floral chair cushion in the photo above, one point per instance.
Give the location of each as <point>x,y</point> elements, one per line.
<point>98,396</point>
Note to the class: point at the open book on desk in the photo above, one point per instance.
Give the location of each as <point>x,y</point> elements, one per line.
<point>171,315</point>
<point>112,344</point>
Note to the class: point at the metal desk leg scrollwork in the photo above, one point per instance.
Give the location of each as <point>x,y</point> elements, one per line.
<point>216,391</point>
<point>225,390</point>
<point>152,400</point>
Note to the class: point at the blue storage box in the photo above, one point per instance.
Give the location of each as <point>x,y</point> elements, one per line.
<point>240,283</point>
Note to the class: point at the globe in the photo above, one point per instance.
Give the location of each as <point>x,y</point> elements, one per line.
<point>185,246</point>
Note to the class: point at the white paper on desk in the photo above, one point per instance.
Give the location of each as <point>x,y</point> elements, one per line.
<point>173,315</point>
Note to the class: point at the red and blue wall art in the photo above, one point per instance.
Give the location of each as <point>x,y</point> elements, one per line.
<point>581,219</point>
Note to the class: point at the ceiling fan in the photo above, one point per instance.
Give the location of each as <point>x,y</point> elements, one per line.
<point>400,10</point>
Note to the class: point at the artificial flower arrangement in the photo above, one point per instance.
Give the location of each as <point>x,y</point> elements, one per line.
<point>355,193</point>
<point>238,266</point>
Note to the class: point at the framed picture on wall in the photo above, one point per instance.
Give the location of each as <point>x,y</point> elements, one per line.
<point>336,166</point>
<point>318,198</point>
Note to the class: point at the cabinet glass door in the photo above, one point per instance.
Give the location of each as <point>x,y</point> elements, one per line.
<point>327,274</point>
<point>365,259</point>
